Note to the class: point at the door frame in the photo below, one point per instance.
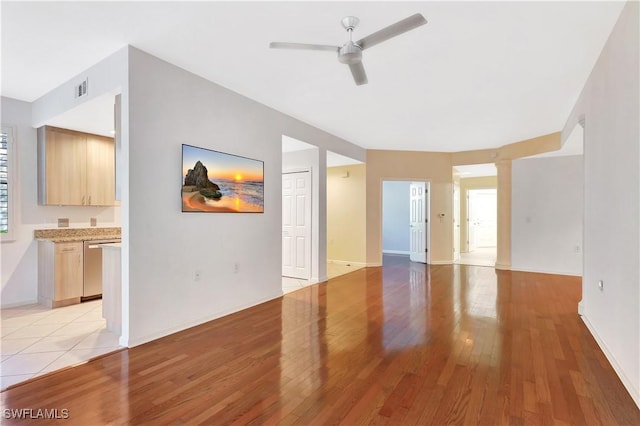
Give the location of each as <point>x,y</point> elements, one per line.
<point>428,201</point>
<point>457,219</point>
<point>464,194</point>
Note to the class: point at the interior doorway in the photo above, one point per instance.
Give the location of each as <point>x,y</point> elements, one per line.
<point>296,224</point>
<point>482,228</point>
<point>475,214</point>
<point>482,208</point>
<point>405,219</point>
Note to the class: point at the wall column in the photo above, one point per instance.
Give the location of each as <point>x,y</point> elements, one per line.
<point>503,255</point>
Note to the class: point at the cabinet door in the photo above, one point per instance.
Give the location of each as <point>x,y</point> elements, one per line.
<point>100,171</point>
<point>68,278</point>
<point>65,168</point>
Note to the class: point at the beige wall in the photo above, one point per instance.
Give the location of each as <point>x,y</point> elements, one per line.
<point>525,148</point>
<point>436,167</point>
<point>419,166</point>
<point>485,182</point>
<point>346,213</point>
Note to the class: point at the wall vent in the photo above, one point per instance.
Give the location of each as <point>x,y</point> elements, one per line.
<point>81,89</point>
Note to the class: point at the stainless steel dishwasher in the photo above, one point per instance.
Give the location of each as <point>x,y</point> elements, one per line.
<point>93,268</point>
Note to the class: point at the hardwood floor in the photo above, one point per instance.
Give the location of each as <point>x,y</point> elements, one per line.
<point>402,344</point>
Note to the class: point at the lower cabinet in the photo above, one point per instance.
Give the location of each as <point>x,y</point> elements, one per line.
<point>60,274</point>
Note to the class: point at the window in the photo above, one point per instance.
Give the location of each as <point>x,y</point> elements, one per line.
<point>6,154</point>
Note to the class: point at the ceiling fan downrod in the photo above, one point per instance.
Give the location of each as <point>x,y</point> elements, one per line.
<point>350,53</point>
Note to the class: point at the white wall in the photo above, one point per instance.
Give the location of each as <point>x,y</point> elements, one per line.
<point>168,107</point>
<point>395,217</point>
<point>107,76</point>
<point>546,215</point>
<point>20,257</point>
<point>610,106</point>
<point>309,159</point>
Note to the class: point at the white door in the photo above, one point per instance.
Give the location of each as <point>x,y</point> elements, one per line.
<point>456,222</point>
<point>296,225</point>
<point>483,218</point>
<point>418,219</point>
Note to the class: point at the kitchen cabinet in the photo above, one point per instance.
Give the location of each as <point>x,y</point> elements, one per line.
<point>101,177</point>
<point>60,273</point>
<point>75,168</point>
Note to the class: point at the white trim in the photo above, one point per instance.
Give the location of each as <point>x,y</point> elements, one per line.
<point>296,170</point>
<point>544,271</point>
<point>396,252</point>
<point>19,304</point>
<point>502,266</point>
<point>635,393</point>
<point>580,308</point>
<point>373,265</point>
<point>347,263</point>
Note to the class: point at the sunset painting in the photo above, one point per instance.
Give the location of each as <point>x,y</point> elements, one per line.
<point>213,181</point>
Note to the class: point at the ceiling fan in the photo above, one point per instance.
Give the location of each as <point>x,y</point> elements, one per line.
<point>351,52</point>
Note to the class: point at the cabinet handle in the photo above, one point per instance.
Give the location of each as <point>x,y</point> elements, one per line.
<point>83,200</point>
<point>67,249</point>
<point>89,200</point>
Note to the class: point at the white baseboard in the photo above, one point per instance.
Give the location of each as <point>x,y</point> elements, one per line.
<point>373,264</point>
<point>503,266</point>
<point>18,304</point>
<point>162,333</point>
<point>545,271</point>
<point>635,393</point>
<point>347,263</point>
<point>396,252</point>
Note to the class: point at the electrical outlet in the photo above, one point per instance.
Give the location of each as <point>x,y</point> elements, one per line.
<point>601,285</point>
<point>63,222</point>
<point>197,275</point>
<point>576,249</point>
<point>94,221</point>
<point>236,268</point>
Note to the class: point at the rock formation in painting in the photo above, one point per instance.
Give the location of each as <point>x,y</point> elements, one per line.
<point>198,178</point>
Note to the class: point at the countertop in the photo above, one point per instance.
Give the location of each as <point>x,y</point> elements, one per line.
<point>65,235</point>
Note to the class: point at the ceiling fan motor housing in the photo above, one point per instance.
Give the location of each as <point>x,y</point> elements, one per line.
<point>350,53</point>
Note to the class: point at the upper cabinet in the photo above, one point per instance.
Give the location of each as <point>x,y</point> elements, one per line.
<point>75,168</point>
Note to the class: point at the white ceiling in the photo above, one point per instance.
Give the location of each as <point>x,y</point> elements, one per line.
<point>478,75</point>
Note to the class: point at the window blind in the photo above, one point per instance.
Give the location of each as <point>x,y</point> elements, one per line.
<point>4,182</point>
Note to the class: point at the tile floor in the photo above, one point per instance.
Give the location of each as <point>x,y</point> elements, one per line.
<point>333,270</point>
<point>36,340</point>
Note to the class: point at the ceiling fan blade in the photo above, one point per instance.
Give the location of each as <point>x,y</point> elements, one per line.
<point>302,46</point>
<point>392,30</point>
<point>359,76</point>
